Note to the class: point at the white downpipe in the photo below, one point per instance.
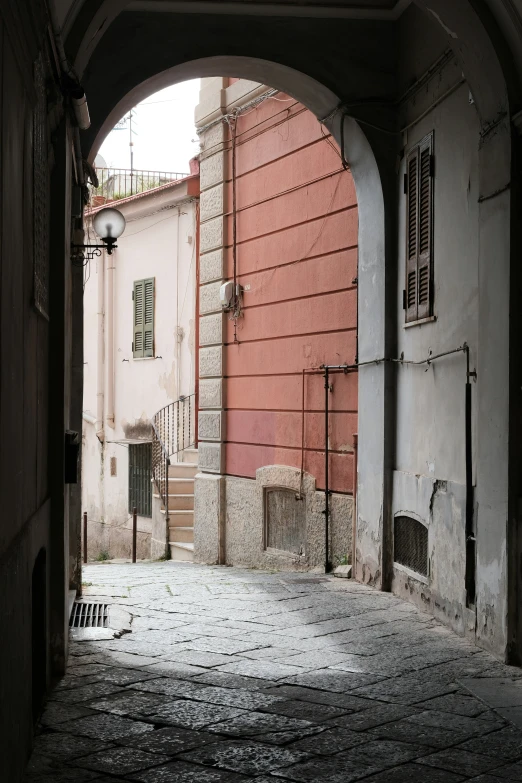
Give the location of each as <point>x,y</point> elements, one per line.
<point>110,340</point>
<point>178,334</point>
<point>100,379</point>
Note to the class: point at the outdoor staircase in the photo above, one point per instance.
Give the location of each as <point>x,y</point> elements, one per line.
<point>174,466</point>
<point>181,506</point>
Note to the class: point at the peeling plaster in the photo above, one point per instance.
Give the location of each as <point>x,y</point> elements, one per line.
<point>168,381</point>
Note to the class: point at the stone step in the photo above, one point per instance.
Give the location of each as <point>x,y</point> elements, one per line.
<point>181,518</point>
<point>180,502</point>
<point>181,552</point>
<point>190,456</point>
<point>181,535</point>
<point>181,486</point>
<point>182,470</point>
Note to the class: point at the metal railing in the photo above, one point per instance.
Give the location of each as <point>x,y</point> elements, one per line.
<point>114,184</point>
<point>173,430</point>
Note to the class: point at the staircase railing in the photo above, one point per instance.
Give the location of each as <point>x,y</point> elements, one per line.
<point>173,430</point>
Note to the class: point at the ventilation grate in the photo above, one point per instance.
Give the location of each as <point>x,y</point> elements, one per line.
<point>89,615</point>
<point>411,544</point>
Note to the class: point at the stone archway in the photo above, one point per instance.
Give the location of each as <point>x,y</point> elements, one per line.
<point>373,245</point>
<point>477,45</point>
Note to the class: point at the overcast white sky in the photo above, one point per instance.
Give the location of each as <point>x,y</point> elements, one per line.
<point>164,125</point>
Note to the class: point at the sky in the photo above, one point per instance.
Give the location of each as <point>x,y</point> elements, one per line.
<point>165,132</point>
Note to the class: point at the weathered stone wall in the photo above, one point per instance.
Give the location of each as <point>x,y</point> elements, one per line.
<point>241,527</point>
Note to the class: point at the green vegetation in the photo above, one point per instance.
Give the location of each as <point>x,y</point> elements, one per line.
<point>104,555</point>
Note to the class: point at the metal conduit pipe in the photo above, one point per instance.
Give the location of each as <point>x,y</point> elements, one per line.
<point>100,378</point>
<point>110,340</point>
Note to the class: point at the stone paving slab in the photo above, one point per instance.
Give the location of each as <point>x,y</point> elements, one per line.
<point>226,675</point>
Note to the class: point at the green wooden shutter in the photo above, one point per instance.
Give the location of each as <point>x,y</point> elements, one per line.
<point>138,320</point>
<point>148,321</point>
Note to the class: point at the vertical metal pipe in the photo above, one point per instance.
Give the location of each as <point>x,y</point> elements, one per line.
<point>354,508</point>
<point>134,532</point>
<point>470,532</point>
<point>326,476</point>
<point>177,427</point>
<point>84,536</point>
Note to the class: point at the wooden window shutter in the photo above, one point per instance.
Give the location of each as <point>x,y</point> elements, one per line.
<point>424,264</point>
<point>419,231</point>
<point>148,320</point>
<point>412,212</point>
<point>138,320</point>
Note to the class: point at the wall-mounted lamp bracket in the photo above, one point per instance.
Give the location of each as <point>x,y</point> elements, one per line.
<point>82,254</point>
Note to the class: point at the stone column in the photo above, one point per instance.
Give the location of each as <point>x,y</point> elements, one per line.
<point>210,483</point>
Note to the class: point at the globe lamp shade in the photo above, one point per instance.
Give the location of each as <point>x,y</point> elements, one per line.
<point>109,224</point>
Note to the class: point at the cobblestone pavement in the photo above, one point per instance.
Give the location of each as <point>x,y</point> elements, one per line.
<point>223,675</point>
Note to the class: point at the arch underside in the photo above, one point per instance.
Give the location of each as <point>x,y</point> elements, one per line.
<point>368,66</point>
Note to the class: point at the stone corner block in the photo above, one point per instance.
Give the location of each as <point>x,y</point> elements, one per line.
<point>211,329</point>
<point>211,457</point>
<point>211,425</point>
<point>211,362</point>
<point>212,234</point>
<point>212,170</point>
<point>211,393</point>
<point>211,266</point>
<point>209,301</point>
<point>212,139</point>
<point>211,202</point>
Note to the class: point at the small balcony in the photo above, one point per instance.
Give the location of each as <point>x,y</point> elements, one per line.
<point>115,184</point>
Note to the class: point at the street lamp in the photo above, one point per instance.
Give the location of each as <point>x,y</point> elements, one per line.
<point>109,224</point>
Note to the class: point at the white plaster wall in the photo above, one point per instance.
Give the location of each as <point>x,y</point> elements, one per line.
<point>429,476</point>
<point>160,242</point>
<point>431,404</point>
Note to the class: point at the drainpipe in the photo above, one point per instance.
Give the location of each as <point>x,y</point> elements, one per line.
<point>100,433</point>
<point>178,331</point>
<point>354,509</point>
<point>110,340</point>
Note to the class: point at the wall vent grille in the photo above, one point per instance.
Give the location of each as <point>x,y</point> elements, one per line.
<point>89,615</point>
<point>411,544</point>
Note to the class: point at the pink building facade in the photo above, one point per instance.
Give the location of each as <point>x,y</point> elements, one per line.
<point>287,228</point>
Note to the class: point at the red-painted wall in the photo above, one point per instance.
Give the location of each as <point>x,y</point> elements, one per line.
<point>296,249</point>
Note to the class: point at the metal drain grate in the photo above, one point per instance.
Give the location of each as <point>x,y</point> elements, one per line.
<point>410,544</point>
<point>89,615</point>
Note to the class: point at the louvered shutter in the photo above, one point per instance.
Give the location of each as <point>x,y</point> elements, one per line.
<point>412,212</point>
<point>419,231</point>
<point>148,321</point>
<point>424,265</point>
<point>138,325</point>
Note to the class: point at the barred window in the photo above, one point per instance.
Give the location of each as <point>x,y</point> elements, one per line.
<point>140,479</point>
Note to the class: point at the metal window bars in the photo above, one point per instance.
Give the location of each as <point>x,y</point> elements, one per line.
<point>173,430</point>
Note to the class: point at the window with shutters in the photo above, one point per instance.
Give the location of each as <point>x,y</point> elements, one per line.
<point>143,318</point>
<point>140,479</point>
<point>418,294</point>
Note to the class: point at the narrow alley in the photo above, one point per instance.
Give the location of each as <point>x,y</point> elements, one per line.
<point>222,675</point>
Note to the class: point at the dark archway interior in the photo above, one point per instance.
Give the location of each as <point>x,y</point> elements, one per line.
<point>382,76</point>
